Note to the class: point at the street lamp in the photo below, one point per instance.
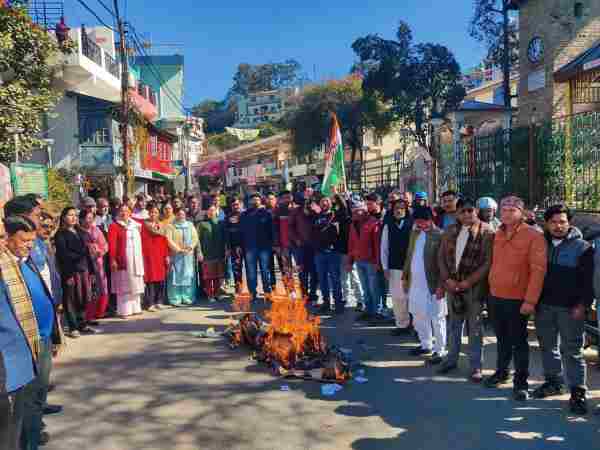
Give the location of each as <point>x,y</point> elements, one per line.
<point>49,143</point>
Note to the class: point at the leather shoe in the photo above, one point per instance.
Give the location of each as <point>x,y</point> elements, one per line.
<point>44,438</point>
<point>52,409</point>
<point>476,376</point>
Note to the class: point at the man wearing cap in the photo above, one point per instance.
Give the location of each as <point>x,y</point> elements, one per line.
<point>420,199</point>
<point>421,277</point>
<point>465,258</point>
<point>362,241</point>
<point>487,211</point>
<point>394,246</point>
<point>516,280</point>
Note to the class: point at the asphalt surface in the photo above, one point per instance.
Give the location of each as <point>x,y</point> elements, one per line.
<point>150,383</point>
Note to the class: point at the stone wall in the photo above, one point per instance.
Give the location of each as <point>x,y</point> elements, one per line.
<point>565,37</point>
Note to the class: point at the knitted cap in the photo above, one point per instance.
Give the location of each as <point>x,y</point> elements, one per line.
<point>422,213</point>
<point>512,201</point>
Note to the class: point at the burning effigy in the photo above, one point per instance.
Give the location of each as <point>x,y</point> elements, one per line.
<point>288,338</point>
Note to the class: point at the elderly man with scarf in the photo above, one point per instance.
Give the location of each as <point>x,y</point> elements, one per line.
<point>465,258</point>
<point>421,277</point>
<point>29,334</point>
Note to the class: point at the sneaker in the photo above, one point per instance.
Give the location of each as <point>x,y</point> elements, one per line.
<point>549,389</point>
<point>476,376</point>
<point>73,334</point>
<point>520,394</point>
<point>446,368</point>
<point>436,359</point>
<point>420,351</point>
<point>496,379</point>
<point>88,330</point>
<point>44,438</point>
<point>577,402</point>
<point>360,307</point>
<point>152,309</point>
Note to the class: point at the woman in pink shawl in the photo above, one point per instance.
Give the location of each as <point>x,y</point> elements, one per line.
<point>98,247</point>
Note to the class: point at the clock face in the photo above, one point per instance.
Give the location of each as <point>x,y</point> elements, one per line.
<point>535,51</point>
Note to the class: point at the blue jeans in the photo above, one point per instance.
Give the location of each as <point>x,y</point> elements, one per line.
<point>328,267</point>
<point>371,285</point>
<point>254,258</point>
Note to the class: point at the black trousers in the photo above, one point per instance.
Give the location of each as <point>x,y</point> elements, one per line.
<point>155,294</point>
<point>510,327</point>
<point>12,408</point>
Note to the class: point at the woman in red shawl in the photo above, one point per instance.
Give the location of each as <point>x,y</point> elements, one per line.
<point>156,260</point>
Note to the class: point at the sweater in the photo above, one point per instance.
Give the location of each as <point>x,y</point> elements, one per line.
<point>326,232</point>
<point>568,281</point>
<point>363,241</point>
<point>519,262</point>
<point>281,226</point>
<point>233,232</point>
<point>211,237</point>
<point>300,227</point>
<point>256,225</point>
<point>71,253</point>
<point>155,250</point>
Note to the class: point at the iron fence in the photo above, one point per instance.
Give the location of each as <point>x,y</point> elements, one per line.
<point>557,161</point>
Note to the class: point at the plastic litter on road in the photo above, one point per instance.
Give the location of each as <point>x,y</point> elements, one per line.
<point>361,380</point>
<point>330,389</point>
<point>284,388</point>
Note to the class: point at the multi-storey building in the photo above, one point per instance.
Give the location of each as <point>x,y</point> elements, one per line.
<point>260,107</point>
<point>558,57</point>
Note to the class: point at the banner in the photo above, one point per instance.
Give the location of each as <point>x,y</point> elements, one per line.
<point>29,179</point>
<point>243,134</point>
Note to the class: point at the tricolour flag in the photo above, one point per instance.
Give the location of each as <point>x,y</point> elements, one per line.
<point>335,174</point>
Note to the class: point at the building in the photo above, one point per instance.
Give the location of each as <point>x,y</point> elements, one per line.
<point>262,107</point>
<point>553,34</point>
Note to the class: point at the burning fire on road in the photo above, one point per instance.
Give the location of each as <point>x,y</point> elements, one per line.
<point>288,338</point>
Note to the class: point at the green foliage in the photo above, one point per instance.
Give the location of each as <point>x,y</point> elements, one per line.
<point>60,188</point>
<point>29,53</point>
<point>224,141</point>
<point>217,115</point>
<point>356,111</point>
<point>413,79</point>
<point>487,26</point>
<point>265,77</point>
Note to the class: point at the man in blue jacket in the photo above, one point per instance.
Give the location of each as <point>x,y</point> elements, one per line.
<point>256,226</point>
<point>20,341</point>
<point>566,294</point>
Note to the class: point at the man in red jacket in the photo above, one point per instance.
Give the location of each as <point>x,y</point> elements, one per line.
<point>302,247</point>
<point>281,239</point>
<point>363,244</point>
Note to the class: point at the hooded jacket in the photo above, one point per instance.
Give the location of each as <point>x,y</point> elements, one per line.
<point>568,280</point>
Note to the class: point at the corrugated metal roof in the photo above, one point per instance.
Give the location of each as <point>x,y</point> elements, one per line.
<point>474,105</point>
<point>588,60</point>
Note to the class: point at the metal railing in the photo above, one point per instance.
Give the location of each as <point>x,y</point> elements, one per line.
<point>90,49</point>
<point>46,14</point>
<point>112,66</point>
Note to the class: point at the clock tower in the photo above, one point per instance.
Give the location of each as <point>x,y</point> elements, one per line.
<point>552,33</point>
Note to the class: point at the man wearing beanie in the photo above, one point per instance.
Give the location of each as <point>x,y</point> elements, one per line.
<point>422,282</point>
<point>516,280</point>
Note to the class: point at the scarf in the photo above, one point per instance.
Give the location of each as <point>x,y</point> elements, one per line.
<point>20,298</point>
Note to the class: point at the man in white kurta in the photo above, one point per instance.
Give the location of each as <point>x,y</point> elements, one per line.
<point>128,284</point>
<point>426,301</point>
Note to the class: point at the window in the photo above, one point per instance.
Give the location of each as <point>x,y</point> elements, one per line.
<point>93,130</point>
<point>153,143</point>
<point>578,10</point>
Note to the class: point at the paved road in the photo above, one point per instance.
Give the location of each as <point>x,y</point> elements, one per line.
<point>150,384</point>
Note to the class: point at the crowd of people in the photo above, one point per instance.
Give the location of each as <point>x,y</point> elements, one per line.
<point>444,268</point>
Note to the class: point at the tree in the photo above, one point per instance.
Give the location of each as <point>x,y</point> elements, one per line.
<point>357,112</point>
<point>491,25</point>
<point>27,52</point>
<point>417,81</point>
<point>217,115</point>
<point>265,77</point>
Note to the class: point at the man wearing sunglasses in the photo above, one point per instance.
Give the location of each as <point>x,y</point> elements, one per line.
<point>465,258</point>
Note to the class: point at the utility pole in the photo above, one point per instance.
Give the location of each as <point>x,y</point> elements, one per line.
<point>506,56</point>
<point>124,126</point>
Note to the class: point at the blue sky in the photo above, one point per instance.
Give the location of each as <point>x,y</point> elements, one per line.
<point>217,36</point>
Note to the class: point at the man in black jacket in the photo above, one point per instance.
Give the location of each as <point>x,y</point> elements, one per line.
<point>256,227</point>
<point>328,258</point>
<point>566,294</point>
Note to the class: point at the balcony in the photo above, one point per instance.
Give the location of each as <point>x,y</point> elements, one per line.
<point>144,100</point>
<point>91,70</point>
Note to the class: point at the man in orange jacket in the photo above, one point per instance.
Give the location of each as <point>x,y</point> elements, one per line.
<point>516,280</point>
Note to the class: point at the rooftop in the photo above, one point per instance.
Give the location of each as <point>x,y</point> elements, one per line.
<point>588,60</point>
